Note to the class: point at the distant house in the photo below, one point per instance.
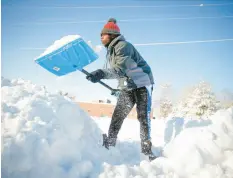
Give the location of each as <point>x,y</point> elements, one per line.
<point>103,109</point>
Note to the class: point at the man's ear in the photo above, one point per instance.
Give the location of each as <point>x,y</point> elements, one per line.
<point>112,36</point>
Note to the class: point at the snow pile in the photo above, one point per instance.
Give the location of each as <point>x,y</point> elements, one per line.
<point>46,135</point>
<point>59,43</point>
<point>204,151</point>
<point>195,149</point>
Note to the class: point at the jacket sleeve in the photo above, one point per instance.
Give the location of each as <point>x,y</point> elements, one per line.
<point>122,56</point>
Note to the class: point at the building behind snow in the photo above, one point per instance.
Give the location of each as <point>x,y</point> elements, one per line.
<point>103,108</point>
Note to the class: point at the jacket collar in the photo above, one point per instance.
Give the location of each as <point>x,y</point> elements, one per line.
<point>115,41</point>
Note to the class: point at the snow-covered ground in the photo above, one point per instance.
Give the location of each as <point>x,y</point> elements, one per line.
<point>47,135</point>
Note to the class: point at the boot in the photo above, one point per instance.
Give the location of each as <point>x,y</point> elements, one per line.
<point>146,149</point>
<point>108,141</point>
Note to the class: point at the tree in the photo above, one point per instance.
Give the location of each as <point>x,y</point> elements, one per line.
<point>165,100</point>
<point>165,107</point>
<point>201,101</point>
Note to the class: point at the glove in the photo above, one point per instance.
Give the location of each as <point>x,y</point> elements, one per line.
<point>95,76</point>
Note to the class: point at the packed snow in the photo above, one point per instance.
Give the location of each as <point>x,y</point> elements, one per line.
<point>48,135</point>
<point>65,40</point>
<point>60,43</point>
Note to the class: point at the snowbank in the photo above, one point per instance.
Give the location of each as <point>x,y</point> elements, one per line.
<point>193,148</point>
<point>47,135</point>
<point>205,151</point>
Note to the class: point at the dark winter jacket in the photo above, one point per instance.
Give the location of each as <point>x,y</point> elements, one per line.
<point>123,62</point>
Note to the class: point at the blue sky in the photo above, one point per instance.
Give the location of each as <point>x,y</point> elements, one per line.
<point>28,27</point>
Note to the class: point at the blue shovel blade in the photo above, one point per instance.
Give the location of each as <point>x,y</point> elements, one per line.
<point>69,58</point>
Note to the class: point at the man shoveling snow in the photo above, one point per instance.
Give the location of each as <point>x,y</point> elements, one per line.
<point>135,77</point>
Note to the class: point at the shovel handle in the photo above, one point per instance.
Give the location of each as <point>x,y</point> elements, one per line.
<point>102,83</point>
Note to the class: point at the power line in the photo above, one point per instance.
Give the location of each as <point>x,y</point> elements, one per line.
<point>174,18</point>
<point>182,42</point>
<point>156,44</point>
<point>115,7</point>
<point>130,20</point>
<point>135,6</point>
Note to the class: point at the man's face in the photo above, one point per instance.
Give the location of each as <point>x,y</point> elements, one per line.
<point>105,39</point>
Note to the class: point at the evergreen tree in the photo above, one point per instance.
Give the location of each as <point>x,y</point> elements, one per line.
<point>200,102</point>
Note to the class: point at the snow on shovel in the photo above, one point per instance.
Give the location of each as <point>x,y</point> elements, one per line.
<point>69,54</point>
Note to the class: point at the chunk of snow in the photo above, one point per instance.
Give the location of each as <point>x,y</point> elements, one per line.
<point>60,43</point>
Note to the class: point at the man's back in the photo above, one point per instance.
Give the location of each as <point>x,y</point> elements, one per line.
<point>133,71</point>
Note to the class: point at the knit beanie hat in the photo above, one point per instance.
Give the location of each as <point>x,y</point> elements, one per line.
<point>111,27</point>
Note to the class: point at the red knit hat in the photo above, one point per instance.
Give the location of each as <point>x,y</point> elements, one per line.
<point>111,27</point>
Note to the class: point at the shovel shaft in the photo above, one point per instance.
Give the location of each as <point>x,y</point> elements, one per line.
<point>102,83</point>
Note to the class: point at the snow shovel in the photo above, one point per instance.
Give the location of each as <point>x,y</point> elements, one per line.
<point>71,57</point>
